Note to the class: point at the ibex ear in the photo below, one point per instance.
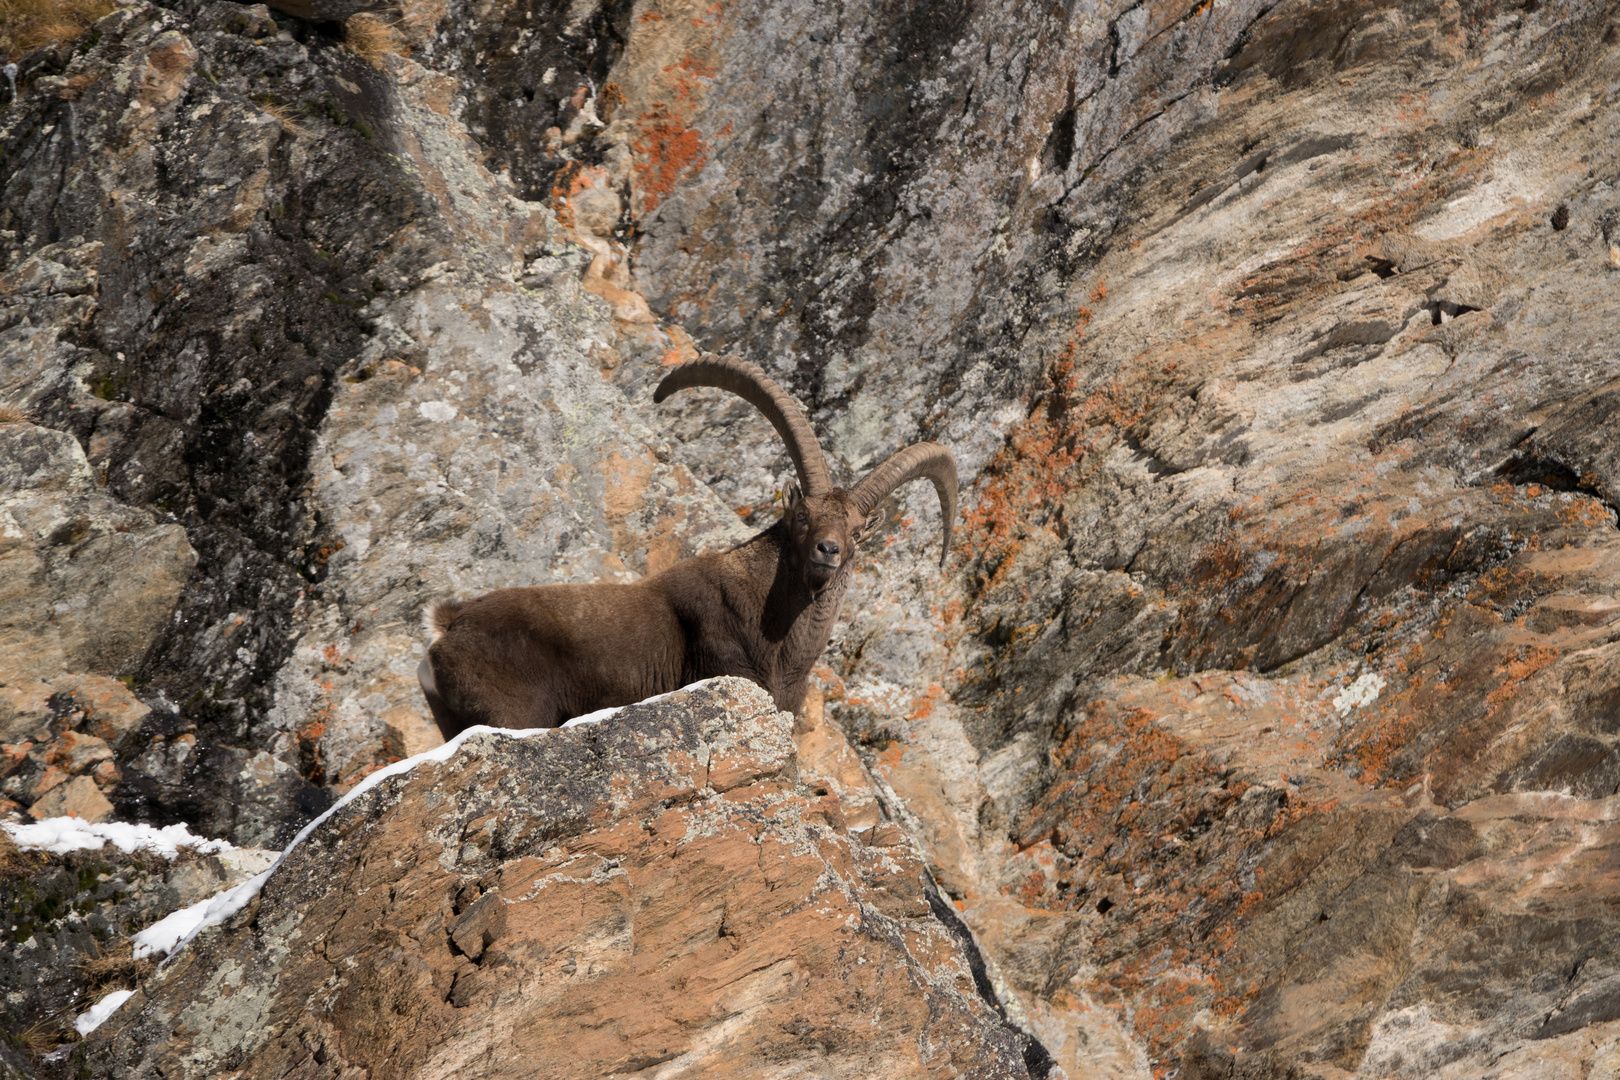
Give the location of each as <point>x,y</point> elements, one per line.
<point>790,496</point>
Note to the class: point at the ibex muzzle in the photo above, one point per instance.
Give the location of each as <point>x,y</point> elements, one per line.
<point>535,657</point>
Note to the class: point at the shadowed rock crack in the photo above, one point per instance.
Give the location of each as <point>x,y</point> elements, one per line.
<point>1037,1058</point>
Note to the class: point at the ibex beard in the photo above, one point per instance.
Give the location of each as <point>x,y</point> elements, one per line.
<point>538,656</point>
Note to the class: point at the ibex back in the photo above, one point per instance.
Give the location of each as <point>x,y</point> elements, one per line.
<point>536,657</point>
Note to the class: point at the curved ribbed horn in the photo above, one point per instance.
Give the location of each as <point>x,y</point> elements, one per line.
<point>913,463</point>
<point>751,384</point>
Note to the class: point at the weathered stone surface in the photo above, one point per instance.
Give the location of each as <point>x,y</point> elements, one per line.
<point>78,797</point>
<point>68,921</point>
<point>656,890</point>
<point>340,355</point>
<point>89,582</point>
<point>87,585</point>
<point>192,369</point>
<point>330,10</point>
<point>831,767</point>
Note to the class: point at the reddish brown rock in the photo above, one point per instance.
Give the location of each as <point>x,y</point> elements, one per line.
<point>78,797</point>
<point>654,892</point>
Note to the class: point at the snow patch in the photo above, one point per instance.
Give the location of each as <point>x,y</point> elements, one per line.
<point>168,934</point>
<point>97,1013</point>
<point>1364,691</point>
<point>179,927</point>
<point>60,835</point>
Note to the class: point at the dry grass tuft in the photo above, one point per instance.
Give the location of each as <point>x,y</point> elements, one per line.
<point>13,863</point>
<point>108,973</point>
<point>28,24</point>
<point>287,116</point>
<point>40,1039</point>
<point>9,415</point>
<point>371,37</point>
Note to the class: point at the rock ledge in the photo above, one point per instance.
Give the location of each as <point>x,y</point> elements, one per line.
<point>654,894</point>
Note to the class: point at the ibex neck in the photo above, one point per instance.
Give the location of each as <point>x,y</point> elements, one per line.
<point>795,623</point>
<point>788,600</point>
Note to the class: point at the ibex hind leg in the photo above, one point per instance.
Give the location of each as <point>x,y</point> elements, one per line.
<point>442,701</point>
<point>448,727</point>
<point>448,707</point>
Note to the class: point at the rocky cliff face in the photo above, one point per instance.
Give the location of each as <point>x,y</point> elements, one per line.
<point>1264,721</point>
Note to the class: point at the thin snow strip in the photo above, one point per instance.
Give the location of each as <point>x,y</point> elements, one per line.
<point>169,934</point>
<point>60,835</point>
<point>165,935</point>
<point>97,1013</point>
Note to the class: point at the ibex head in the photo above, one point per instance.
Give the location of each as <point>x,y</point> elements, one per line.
<point>824,523</point>
<point>824,530</point>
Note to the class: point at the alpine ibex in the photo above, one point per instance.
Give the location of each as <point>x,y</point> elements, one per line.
<point>535,657</point>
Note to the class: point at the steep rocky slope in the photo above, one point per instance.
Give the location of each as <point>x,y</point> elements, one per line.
<point>1264,722</point>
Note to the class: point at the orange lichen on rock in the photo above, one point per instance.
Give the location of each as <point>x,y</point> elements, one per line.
<point>1028,475</point>
<point>1517,671</point>
<point>569,181</point>
<point>667,151</point>
<point>690,68</point>
<point>1167,843</point>
<point>670,149</point>
<point>923,706</point>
